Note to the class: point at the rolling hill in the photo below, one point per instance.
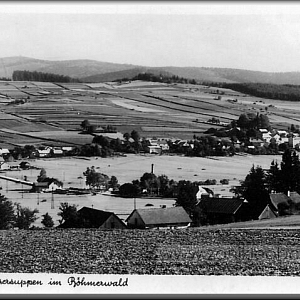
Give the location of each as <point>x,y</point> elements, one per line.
<point>98,71</point>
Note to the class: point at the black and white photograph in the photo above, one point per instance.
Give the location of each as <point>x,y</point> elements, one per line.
<point>149,148</point>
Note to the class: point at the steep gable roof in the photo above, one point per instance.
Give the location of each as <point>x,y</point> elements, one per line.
<point>277,198</point>
<point>95,216</point>
<point>267,213</point>
<point>169,215</point>
<point>221,205</point>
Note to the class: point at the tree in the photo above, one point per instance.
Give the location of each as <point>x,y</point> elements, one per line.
<point>135,135</point>
<point>113,183</point>
<point>187,196</point>
<point>274,179</point>
<point>85,124</point>
<point>149,181</point>
<point>95,179</point>
<point>68,214</point>
<point>25,216</point>
<point>290,171</point>
<point>47,221</point>
<point>42,176</point>
<point>129,190</point>
<point>254,190</point>
<point>7,216</point>
<point>126,136</point>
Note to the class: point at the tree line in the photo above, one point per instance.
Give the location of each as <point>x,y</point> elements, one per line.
<point>41,76</point>
<point>162,78</point>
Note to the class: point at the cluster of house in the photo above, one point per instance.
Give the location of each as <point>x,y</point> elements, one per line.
<point>46,151</point>
<point>216,210</point>
<point>277,136</point>
<point>228,210</point>
<point>171,217</point>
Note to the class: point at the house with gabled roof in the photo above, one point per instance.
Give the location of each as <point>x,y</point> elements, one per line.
<point>95,218</point>
<point>223,210</point>
<point>285,204</point>
<point>171,217</point>
<point>267,213</point>
<point>278,199</point>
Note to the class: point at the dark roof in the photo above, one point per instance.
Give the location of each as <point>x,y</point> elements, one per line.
<point>277,198</point>
<point>41,184</point>
<point>95,216</point>
<point>169,215</point>
<point>221,205</point>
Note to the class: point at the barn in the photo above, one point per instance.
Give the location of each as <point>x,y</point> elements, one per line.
<point>171,217</point>
<point>223,210</point>
<point>95,218</point>
<point>267,213</point>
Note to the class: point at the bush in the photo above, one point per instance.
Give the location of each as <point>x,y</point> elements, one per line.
<point>47,221</point>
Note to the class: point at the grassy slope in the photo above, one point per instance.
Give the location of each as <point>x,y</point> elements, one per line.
<point>280,222</point>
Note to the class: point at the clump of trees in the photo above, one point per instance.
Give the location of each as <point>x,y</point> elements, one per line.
<point>259,183</point>
<point>99,180</point>
<point>41,76</point>
<point>14,215</point>
<point>161,77</point>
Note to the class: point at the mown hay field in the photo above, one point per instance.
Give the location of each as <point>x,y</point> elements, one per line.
<point>70,170</point>
<point>243,252</point>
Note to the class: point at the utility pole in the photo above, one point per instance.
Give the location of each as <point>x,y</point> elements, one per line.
<point>52,200</point>
<point>38,198</point>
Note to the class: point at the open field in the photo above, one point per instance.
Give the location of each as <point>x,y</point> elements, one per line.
<point>69,171</point>
<point>135,105</point>
<point>243,252</point>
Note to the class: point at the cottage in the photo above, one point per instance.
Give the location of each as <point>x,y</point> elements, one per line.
<point>44,152</point>
<point>278,199</point>
<point>267,213</point>
<point>154,149</point>
<point>257,142</point>
<point>95,218</point>
<point>48,185</point>
<point>285,204</point>
<point>223,210</point>
<point>58,151</point>
<point>171,217</point>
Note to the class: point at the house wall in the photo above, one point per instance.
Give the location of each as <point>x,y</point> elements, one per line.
<point>135,221</point>
<point>113,223</point>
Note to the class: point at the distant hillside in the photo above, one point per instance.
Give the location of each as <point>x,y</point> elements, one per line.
<point>72,68</point>
<point>125,74</point>
<point>97,71</point>
<point>235,75</point>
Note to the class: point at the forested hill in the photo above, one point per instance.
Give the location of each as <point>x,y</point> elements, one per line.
<point>92,69</point>
<point>286,92</point>
<point>40,76</point>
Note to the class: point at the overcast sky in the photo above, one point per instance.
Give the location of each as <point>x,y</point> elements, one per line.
<point>233,35</point>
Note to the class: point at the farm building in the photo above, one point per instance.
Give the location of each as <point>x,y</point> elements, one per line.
<point>48,185</point>
<point>267,213</point>
<point>223,210</point>
<point>95,218</point>
<point>154,149</point>
<point>285,204</point>
<point>172,217</point>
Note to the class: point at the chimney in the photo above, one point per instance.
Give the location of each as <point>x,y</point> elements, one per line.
<point>289,193</point>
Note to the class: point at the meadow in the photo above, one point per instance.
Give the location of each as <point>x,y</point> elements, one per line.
<point>171,111</point>
<point>70,171</point>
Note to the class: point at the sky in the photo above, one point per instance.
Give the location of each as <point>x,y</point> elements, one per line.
<point>245,35</point>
